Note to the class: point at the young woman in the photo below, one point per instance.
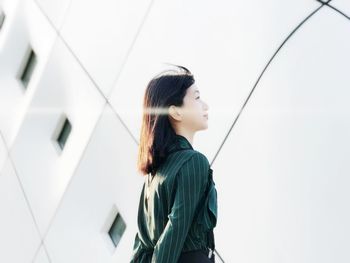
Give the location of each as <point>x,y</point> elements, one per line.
<point>178,203</point>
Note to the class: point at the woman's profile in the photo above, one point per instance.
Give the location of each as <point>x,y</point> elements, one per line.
<point>178,202</point>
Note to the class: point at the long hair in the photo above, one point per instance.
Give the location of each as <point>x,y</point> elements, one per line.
<point>165,89</point>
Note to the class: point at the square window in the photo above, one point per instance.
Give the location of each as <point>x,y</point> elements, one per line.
<point>117,229</point>
<point>29,65</point>
<point>64,133</point>
<point>2,18</point>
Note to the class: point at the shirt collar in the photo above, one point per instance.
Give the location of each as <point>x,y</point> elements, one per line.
<point>180,142</point>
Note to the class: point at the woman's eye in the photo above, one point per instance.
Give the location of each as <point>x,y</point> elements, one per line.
<point>197,97</point>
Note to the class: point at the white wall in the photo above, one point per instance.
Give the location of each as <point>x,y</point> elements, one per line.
<point>274,74</point>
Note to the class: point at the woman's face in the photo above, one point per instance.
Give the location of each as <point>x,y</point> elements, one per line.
<point>195,110</point>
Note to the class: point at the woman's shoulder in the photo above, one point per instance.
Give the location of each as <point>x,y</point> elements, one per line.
<point>196,163</point>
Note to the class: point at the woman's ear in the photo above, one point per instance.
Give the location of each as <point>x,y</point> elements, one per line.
<point>175,113</point>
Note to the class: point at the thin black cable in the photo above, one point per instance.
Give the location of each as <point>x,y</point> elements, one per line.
<point>262,73</point>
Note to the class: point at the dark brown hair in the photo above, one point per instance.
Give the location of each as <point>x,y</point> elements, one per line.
<point>165,89</point>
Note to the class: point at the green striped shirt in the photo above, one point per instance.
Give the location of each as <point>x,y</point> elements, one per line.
<point>174,213</point>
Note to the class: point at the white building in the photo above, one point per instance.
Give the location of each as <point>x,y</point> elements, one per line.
<point>274,73</point>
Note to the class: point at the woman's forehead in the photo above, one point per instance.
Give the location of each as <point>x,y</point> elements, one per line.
<point>193,89</point>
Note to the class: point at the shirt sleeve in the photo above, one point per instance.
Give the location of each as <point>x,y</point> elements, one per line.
<point>136,249</point>
<point>191,181</point>
<point>137,241</point>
